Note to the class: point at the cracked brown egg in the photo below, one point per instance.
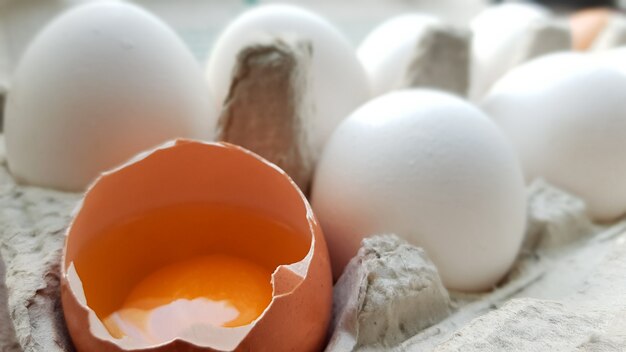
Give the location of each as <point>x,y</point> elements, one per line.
<point>196,247</point>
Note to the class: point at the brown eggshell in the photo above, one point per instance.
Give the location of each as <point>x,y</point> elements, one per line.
<point>587,24</point>
<point>187,171</point>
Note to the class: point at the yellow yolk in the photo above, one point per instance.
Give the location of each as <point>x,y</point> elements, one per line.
<point>160,274</point>
<point>226,291</point>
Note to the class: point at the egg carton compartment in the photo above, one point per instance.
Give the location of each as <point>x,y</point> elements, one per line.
<point>31,241</point>
<point>2,98</point>
<point>566,291</point>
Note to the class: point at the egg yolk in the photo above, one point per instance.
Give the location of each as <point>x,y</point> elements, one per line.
<point>220,290</point>
<point>173,271</point>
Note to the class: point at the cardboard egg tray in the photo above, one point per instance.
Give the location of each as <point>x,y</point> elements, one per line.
<point>567,291</point>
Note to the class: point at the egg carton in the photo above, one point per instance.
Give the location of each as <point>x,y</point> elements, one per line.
<point>31,241</point>
<point>566,291</point>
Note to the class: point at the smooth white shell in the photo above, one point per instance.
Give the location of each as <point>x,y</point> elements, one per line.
<point>433,169</point>
<point>566,115</point>
<point>497,32</point>
<point>101,83</point>
<point>387,50</point>
<point>338,83</point>
<point>615,58</point>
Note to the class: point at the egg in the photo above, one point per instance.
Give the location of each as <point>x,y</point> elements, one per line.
<point>338,83</point>
<point>587,25</point>
<point>388,49</point>
<point>433,169</point>
<point>499,35</point>
<point>196,247</point>
<point>99,84</point>
<point>614,58</point>
<point>565,114</point>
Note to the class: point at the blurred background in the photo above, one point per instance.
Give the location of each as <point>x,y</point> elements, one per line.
<point>199,21</point>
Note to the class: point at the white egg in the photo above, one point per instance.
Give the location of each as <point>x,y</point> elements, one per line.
<point>498,32</point>
<point>387,51</point>
<point>339,83</point>
<point>615,58</point>
<point>99,84</point>
<point>433,169</point>
<point>566,115</point>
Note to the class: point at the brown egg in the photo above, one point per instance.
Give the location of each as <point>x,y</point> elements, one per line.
<point>196,247</point>
<point>587,24</point>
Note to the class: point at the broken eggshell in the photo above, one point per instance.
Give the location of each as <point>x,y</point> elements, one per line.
<point>186,172</point>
